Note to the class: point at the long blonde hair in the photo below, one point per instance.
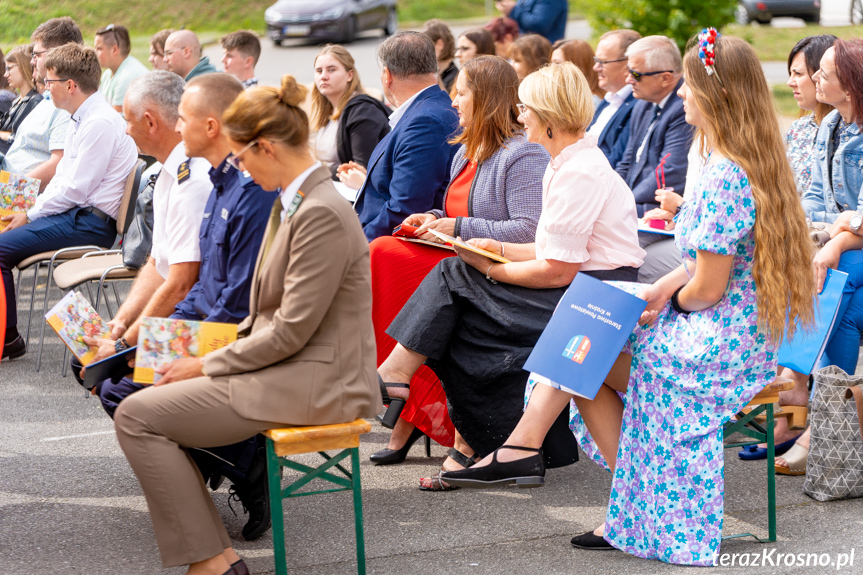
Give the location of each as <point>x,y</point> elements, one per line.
<point>740,123</point>
<point>322,108</point>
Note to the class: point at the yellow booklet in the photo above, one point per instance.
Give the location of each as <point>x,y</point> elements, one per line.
<point>17,194</point>
<point>162,340</point>
<point>466,246</point>
<point>73,318</point>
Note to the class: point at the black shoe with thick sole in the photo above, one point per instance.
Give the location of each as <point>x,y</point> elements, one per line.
<point>254,494</point>
<point>14,349</point>
<point>591,542</point>
<point>392,456</point>
<point>527,472</point>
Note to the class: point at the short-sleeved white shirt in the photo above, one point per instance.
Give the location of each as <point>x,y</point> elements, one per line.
<point>178,209</point>
<point>588,212</point>
<point>41,132</point>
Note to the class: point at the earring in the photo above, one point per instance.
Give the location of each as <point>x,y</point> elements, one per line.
<point>549,133</point>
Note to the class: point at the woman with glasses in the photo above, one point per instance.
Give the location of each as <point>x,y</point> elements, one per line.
<point>579,53</point>
<point>495,192</point>
<point>348,123</point>
<point>528,54</point>
<point>473,43</point>
<point>19,75</point>
<point>710,332</point>
<point>305,355</point>
<point>476,320</point>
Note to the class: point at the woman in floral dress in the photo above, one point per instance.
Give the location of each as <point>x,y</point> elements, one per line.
<point>709,335</point>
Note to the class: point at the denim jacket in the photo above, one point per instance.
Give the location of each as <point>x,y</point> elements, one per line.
<point>823,202</point>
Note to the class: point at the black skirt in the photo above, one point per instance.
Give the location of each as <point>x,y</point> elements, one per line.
<point>477,337</point>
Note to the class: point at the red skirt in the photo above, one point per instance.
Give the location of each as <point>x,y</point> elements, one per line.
<point>398,268</point>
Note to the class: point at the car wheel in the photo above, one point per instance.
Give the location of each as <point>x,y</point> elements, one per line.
<point>742,15</point>
<point>813,18</point>
<point>277,42</point>
<point>393,22</point>
<point>350,30</point>
<point>856,15</point>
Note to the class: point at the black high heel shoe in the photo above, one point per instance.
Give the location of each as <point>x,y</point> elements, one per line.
<point>394,405</point>
<point>527,472</point>
<point>391,456</point>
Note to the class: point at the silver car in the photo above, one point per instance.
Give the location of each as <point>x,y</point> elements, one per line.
<point>331,20</point>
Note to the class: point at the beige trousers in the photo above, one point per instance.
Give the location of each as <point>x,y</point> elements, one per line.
<point>154,426</point>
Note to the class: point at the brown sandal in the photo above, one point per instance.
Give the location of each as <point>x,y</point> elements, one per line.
<point>435,480</point>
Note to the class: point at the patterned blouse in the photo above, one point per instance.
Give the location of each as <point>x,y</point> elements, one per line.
<point>799,147</point>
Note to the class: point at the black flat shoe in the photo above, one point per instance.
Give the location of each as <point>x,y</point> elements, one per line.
<point>591,542</point>
<point>394,405</point>
<point>527,472</point>
<point>14,349</point>
<point>392,456</point>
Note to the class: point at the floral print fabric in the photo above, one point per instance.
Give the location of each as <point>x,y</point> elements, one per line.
<point>690,374</point>
<point>800,148</point>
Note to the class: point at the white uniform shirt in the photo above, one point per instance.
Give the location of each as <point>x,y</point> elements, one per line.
<point>178,210</point>
<point>97,159</point>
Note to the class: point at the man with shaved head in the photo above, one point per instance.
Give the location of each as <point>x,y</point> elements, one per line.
<point>183,55</point>
<point>234,218</point>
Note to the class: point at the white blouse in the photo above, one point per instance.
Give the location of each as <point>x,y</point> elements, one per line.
<point>588,212</point>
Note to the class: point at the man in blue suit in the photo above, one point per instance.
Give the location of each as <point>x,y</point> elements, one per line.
<point>544,17</point>
<point>409,169</point>
<point>658,126</point>
<point>610,122</point>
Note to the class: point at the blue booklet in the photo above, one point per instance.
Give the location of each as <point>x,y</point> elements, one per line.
<point>801,353</point>
<point>585,335</point>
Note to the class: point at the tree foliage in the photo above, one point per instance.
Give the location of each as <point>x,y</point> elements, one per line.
<point>677,19</point>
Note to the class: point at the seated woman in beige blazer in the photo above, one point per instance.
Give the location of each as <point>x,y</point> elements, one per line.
<point>306,353</point>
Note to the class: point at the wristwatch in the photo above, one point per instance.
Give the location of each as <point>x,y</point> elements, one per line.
<point>120,345</point>
<point>856,222</point>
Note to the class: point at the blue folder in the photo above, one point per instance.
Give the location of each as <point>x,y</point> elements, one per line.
<point>585,335</point>
<point>801,353</point>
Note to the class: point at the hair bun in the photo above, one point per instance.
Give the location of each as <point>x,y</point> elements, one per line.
<point>291,93</point>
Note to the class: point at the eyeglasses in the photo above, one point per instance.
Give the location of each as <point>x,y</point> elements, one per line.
<point>462,49</point>
<point>234,159</point>
<point>49,80</point>
<point>34,53</point>
<point>521,108</point>
<point>637,76</point>
<point>604,62</point>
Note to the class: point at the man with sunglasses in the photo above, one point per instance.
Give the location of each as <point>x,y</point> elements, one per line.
<point>658,126</point>
<point>227,236</point>
<point>112,48</point>
<point>610,122</point>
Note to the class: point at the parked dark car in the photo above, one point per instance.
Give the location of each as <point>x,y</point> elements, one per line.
<point>763,11</point>
<point>335,20</point>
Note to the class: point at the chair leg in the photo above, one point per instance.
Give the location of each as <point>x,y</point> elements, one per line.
<point>44,311</point>
<point>771,476</point>
<point>358,511</point>
<point>32,299</point>
<point>116,296</point>
<point>65,361</point>
<point>277,512</point>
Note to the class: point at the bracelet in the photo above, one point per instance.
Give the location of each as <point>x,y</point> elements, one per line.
<point>488,271</point>
<point>675,302</point>
<point>502,249</point>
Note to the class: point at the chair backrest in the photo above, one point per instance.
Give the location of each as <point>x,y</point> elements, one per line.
<point>130,196</point>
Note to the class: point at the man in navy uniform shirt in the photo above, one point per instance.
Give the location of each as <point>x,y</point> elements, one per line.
<point>231,232</point>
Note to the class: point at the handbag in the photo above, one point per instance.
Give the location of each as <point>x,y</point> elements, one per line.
<point>834,469</point>
<point>138,239</point>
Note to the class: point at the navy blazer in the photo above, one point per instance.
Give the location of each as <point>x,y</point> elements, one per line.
<point>615,134</point>
<point>671,135</point>
<point>408,170</point>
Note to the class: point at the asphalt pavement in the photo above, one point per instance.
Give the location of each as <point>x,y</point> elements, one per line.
<point>69,503</point>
